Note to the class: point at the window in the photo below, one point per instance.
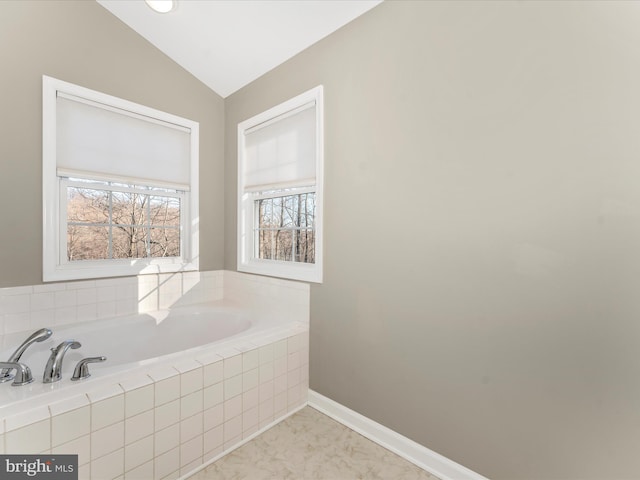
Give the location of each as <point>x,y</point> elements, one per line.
<point>106,220</point>
<point>119,186</point>
<point>280,172</point>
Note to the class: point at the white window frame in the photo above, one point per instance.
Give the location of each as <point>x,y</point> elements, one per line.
<point>56,267</point>
<point>247,261</point>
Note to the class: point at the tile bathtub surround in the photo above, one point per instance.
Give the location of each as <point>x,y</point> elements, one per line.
<point>169,419</point>
<point>168,422</point>
<point>286,299</point>
<point>24,309</point>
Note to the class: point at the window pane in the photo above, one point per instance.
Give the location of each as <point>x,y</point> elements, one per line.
<point>283,245</point>
<point>307,210</point>
<point>86,205</point>
<point>129,242</point>
<point>266,244</point>
<point>129,208</point>
<point>305,246</point>
<point>164,211</point>
<point>87,243</point>
<point>164,242</point>
<point>285,229</point>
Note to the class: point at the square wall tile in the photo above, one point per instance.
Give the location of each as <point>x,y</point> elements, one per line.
<point>280,384</point>
<point>80,446</point>
<point>251,398</point>
<point>71,425</point>
<point>24,419</point>
<point>32,439</point>
<point>191,450</point>
<point>212,439</point>
<point>280,405</point>
<point>280,366</point>
<point>167,390</point>
<point>167,463</point>
<point>138,400</point>
<point>109,466</point>
<point>232,366</point>
<point>250,421</point>
<point>232,429</point>
<point>250,360</point>
<point>137,453</point>
<point>293,397</point>
<point>280,349</point>
<point>213,373</point>
<point>294,361</point>
<point>250,379</point>
<point>107,440</point>
<point>191,427</point>
<point>266,372</point>
<point>143,472</point>
<point>138,427</point>
<point>191,404</point>
<point>107,412</point>
<point>190,381</point>
<point>232,387</point>
<point>167,414</point>
<point>213,417</point>
<point>84,471</point>
<point>190,467</point>
<point>213,395</point>
<point>266,412</point>
<point>266,390</point>
<point>166,439</point>
<point>232,407</point>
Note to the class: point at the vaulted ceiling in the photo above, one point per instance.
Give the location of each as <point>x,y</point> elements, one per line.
<point>227,44</point>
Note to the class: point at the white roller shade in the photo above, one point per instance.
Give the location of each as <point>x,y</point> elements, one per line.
<point>98,141</point>
<point>282,152</point>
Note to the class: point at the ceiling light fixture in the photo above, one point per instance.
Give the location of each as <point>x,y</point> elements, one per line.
<point>161,6</point>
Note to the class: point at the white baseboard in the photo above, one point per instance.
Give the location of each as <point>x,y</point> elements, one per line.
<point>417,454</point>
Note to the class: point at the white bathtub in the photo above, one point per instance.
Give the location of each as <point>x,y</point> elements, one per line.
<point>134,339</point>
<point>180,387</point>
<point>137,343</point>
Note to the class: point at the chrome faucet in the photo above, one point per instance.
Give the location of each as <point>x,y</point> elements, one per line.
<point>38,336</point>
<point>53,370</point>
<point>23,374</point>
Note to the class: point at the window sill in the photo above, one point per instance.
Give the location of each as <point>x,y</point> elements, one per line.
<point>291,271</point>
<point>91,269</point>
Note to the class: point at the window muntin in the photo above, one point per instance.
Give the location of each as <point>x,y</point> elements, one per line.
<point>107,220</point>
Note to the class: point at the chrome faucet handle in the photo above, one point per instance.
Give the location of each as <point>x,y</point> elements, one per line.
<point>82,368</point>
<point>37,336</point>
<point>23,373</point>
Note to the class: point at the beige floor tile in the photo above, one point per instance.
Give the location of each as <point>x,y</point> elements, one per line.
<point>310,445</point>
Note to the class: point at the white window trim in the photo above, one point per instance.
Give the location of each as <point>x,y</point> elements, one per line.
<point>246,210</point>
<point>55,266</point>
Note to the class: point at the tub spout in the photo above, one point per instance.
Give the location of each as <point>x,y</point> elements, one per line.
<point>38,336</point>
<point>23,374</point>
<point>53,370</point>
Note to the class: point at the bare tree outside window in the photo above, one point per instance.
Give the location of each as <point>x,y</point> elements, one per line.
<point>109,224</point>
<point>286,228</point>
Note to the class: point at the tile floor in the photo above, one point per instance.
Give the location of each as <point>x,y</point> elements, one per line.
<point>310,445</point>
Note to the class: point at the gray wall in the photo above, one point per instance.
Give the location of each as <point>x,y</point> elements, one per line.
<point>482,248</point>
<point>82,43</point>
